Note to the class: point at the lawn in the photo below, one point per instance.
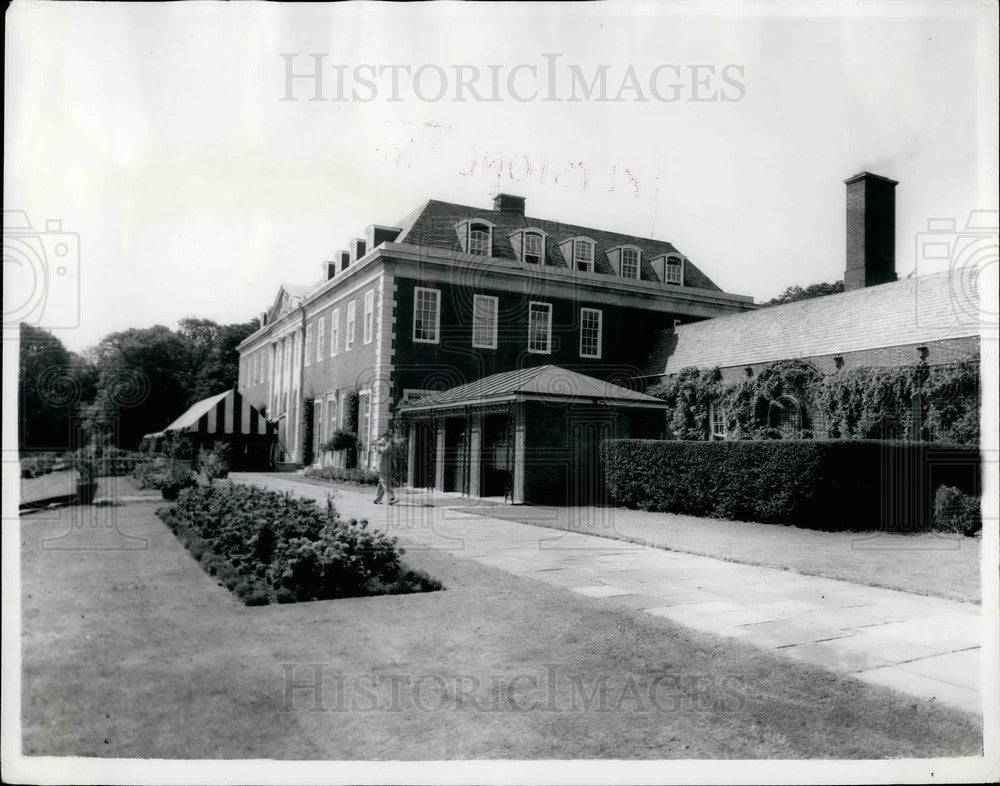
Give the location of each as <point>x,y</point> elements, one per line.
<point>938,564</point>
<point>138,653</point>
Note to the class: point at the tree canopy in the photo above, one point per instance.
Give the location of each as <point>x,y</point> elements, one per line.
<point>133,382</point>
<point>796,292</point>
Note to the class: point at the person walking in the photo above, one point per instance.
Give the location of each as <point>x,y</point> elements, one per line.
<point>383,468</point>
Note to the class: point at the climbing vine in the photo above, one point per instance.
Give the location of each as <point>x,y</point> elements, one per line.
<point>860,403</point>
<point>308,408</point>
<point>690,395</point>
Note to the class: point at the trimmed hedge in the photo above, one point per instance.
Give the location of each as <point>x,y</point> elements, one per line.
<point>267,547</point>
<point>818,484</point>
<point>364,477</point>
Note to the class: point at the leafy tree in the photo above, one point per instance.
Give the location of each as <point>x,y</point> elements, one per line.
<point>795,293</point>
<point>48,391</point>
<point>214,362</point>
<point>141,384</point>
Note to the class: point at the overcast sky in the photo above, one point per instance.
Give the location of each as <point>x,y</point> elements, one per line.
<point>159,137</point>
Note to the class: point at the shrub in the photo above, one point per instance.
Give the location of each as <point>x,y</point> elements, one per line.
<point>165,474</point>
<point>956,511</point>
<point>38,464</point>
<point>214,463</point>
<point>267,547</point>
<point>819,484</point>
<point>341,440</point>
<point>364,477</point>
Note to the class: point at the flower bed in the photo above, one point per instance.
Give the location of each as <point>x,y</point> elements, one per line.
<point>267,547</point>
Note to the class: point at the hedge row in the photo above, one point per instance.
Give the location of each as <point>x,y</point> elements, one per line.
<point>819,484</point>
<point>267,547</point>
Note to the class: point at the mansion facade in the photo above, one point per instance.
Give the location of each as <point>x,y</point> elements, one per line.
<point>454,294</point>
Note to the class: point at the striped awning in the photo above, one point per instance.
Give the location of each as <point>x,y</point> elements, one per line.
<point>225,413</point>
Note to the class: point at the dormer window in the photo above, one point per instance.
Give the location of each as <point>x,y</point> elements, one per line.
<point>583,255</point>
<point>534,250</point>
<point>674,270</point>
<point>476,237</point>
<point>630,262</point>
<point>479,240</point>
<point>528,245</point>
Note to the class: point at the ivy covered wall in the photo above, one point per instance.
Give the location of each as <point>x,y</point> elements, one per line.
<point>791,399</point>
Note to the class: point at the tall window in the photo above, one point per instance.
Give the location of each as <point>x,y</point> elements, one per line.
<point>351,312</point>
<point>675,271</point>
<point>479,239</point>
<point>540,327</point>
<point>365,407</point>
<point>426,315</point>
<point>320,339</point>
<point>335,332</point>
<point>630,263</point>
<point>533,250</point>
<point>309,343</point>
<point>484,322</point>
<point>583,255</point>
<point>718,421</point>
<point>590,332</point>
<point>369,323</point>
<point>331,415</point>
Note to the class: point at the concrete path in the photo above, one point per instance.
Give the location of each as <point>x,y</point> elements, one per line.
<point>924,646</point>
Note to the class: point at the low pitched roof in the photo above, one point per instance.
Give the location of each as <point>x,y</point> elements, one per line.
<point>548,382</point>
<point>434,225</point>
<point>911,311</point>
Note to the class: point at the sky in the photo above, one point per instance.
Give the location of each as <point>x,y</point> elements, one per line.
<point>186,186</point>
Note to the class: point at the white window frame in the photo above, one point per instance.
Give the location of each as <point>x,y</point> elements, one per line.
<point>600,330</point>
<point>334,332</point>
<point>491,342</point>
<point>309,343</point>
<point>524,246</point>
<point>717,421</point>
<point>676,262</point>
<point>320,339</point>
<point>417,292</point>
<point>638,262</point>
<point>548,338</point>
<point>368,325</point>
<point>352,311</point>
<point>365,423</point>
<point>583,242</point>
<point>479,226</point>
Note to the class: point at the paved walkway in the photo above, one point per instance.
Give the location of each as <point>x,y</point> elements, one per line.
<point>924,646</point>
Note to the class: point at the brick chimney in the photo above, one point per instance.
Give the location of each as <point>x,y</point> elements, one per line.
<point>376,235</point>
<point>508,203</point>
<point>871,231</point>
<point>357,247</point>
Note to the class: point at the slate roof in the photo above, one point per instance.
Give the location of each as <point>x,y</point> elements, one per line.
<point>434,225</point>
<point>551,382</point>
<point>911,311</point>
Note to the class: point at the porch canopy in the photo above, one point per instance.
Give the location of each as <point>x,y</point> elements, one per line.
<point>532,435</point>
<point>228,418</point>
<point>548,383</point>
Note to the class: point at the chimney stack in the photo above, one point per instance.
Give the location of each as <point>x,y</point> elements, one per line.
<point>377,234</point>
<point>357,249</point>
<point>508,203</point>
<point>871,231</point>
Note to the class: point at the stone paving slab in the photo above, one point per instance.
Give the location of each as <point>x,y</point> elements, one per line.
<point>927,647</point>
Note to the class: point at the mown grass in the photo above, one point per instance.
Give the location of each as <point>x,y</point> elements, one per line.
<point>141,654</point>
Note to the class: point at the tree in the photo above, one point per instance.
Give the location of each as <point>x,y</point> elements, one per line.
<point>141,385</point>
<point>214,362</point>
<point>795,293</point>
<point>48,391</point>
